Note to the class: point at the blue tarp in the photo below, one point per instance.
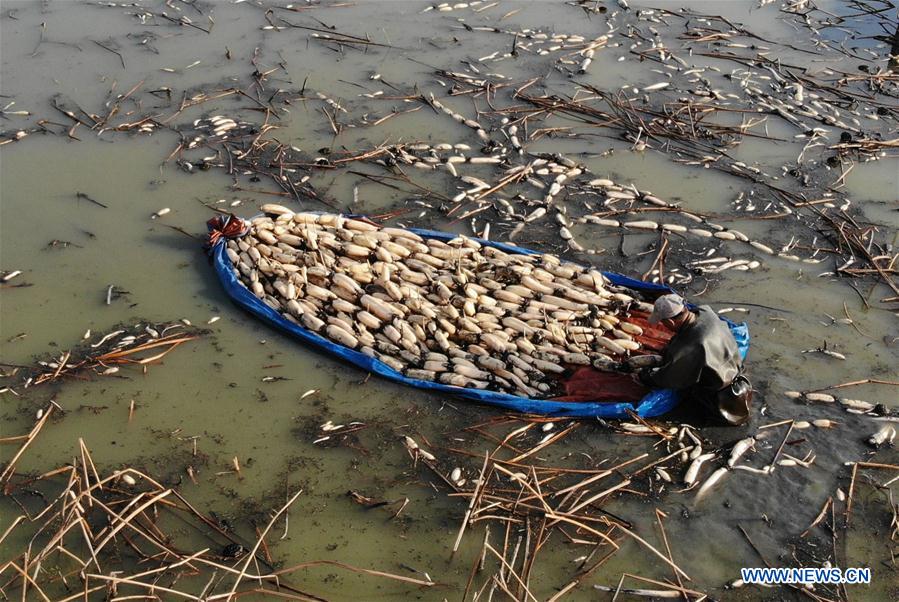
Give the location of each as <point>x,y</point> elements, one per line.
<point>653,404</point>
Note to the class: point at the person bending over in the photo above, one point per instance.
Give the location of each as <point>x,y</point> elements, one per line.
<point>701,361</point>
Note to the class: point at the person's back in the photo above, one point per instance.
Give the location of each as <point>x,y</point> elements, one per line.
<point>722,357</point>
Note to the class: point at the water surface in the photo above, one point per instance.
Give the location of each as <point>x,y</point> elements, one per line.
<point>210,393</point>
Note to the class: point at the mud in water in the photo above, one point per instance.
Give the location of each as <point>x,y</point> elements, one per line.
<point>101,102</point>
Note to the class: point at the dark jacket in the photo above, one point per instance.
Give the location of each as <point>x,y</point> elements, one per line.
<point>702,355</point>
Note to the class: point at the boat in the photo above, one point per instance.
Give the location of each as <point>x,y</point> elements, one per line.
<point>222,229</point>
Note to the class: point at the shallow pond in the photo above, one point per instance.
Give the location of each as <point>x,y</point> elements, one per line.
<point>209,401</point>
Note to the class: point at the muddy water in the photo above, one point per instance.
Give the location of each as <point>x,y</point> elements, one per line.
<point>207,402</point>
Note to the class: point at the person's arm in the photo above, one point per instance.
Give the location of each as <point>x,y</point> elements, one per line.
<point>681,368</point>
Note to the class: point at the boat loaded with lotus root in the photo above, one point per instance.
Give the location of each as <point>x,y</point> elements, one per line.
<point>482,320</point>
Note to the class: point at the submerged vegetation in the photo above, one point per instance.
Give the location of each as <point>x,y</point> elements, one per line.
<point>502,120</point>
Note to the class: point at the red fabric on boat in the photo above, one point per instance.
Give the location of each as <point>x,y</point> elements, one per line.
<point>589,384</point>
<point>655,337</point>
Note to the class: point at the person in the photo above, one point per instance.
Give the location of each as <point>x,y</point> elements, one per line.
<point>701,360</point>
